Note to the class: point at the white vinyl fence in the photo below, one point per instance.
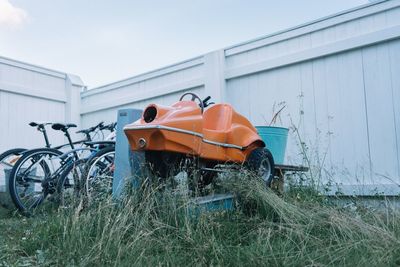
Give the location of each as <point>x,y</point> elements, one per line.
<point>31,93</point>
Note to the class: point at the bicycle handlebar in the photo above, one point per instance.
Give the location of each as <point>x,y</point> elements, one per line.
<point>110,127</point>
<point>91,129</point>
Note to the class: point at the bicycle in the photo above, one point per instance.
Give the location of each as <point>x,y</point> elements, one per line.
<point>96,171</point>
<point>99,174</point>
<point>11,156</point>
<point>35,175</point>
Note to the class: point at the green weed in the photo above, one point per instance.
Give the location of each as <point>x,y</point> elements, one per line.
<point>154,227</point>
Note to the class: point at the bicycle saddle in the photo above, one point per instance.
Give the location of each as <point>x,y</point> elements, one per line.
<point>62,127</point>
<point>39,124</point>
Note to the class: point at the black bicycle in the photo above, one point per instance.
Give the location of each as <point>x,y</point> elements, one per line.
<point>9,157</point>
<point>92,176</point>
<point>35,177</point>
<point>99,173</point>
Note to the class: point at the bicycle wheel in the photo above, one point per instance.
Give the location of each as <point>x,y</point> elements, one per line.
<point>99,175</point>
<point>71,185</point>
<point>9,157</point>
<point>32,178</point>
<point>7,161</point>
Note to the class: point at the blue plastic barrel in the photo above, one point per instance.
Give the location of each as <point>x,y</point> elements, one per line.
<point>275,139</point>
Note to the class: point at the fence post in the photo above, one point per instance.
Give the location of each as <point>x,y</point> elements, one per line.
<point>215,83</point>
<point>73,87</point>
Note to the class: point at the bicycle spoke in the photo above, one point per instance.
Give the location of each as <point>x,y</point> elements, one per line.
<point>27,198</point>
<point>36,202</point>
<point>33,179</point>
<point>100,177</point>
<point>37,180</point>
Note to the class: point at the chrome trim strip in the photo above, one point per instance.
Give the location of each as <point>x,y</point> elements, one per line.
<point>161,127</point>
<point>222,144</point>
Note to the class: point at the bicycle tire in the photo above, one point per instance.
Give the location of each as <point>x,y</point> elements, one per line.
<point>77,185</point>
<point>7,160</point>
<point>30,154</point>
<point>107,168</point>
<point>5,164</point>
<point>13,151</point>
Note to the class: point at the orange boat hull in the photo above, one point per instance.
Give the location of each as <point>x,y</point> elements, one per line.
<point>220,134</point>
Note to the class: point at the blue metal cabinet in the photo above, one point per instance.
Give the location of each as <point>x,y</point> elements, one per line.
<point>126,162</point>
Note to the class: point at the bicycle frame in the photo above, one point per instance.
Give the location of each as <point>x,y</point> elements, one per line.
<point>40,172</point>
<point>67,159</point>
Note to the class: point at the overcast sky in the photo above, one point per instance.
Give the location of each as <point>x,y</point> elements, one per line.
<point>107,40</point>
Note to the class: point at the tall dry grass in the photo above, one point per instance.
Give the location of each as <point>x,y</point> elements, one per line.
<point>155,227</point>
